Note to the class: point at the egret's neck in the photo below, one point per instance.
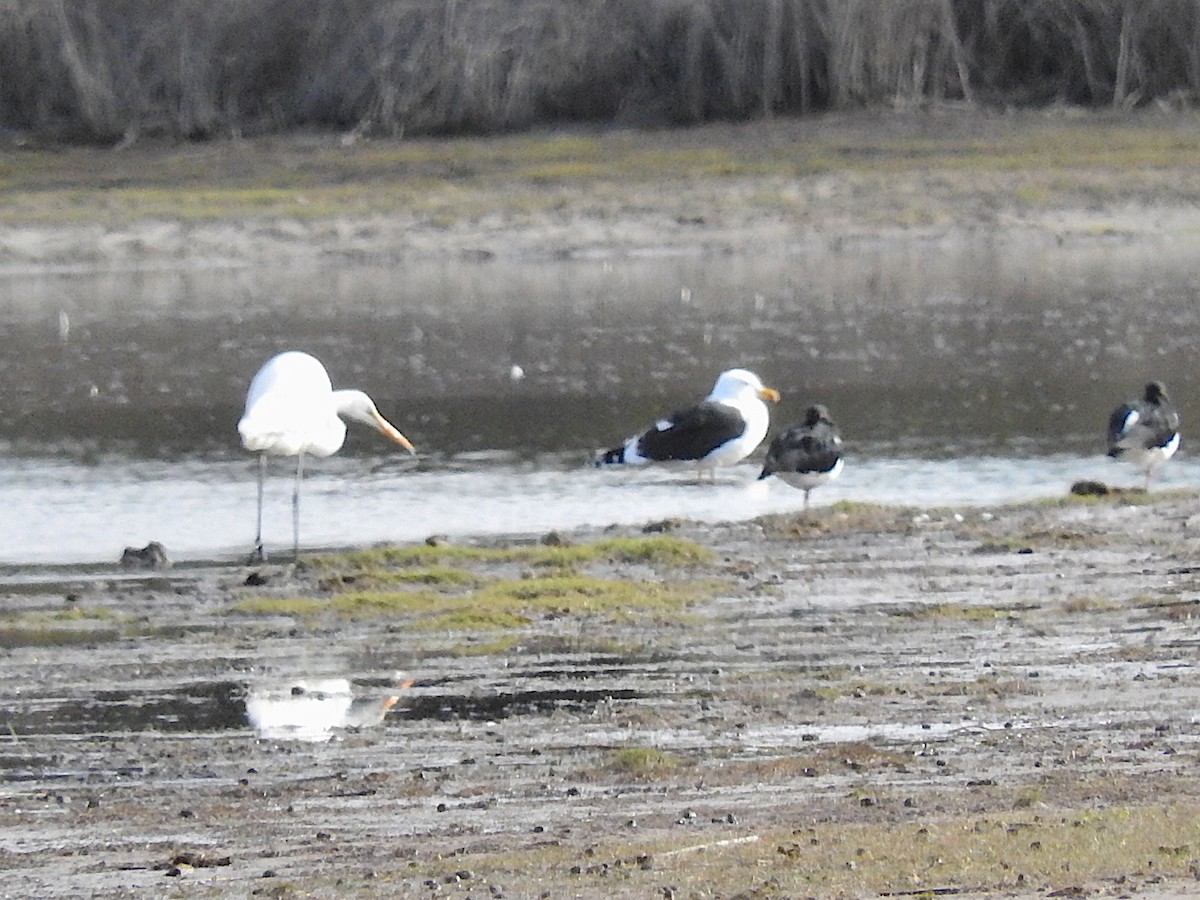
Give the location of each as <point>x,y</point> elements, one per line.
<point>354,405</point>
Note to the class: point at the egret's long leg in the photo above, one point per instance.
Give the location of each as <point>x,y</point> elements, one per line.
<point>296,507</point>
<point>259,552</point>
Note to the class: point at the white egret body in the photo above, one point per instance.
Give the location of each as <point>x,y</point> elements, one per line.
<point>293,410</point>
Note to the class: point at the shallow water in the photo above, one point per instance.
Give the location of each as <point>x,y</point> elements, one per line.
<point>961,371</point>
<point>201,510</point>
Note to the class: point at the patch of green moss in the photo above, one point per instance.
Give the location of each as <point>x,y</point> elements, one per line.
<point>278,606</point>
<point>1085,604</point>
<point>642,762</point>
<point>578,595</point>
<point>50,636</point>
<point>662,550</point>
<point>969,612</point>
<point>494,647</point>
<point>498,604</point>
<point>382,604</point>
<point>436,575</point>
<point>467,619</point>
<point>83,614</point>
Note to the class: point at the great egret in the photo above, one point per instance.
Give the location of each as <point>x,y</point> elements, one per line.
<point>293,410</point>
<point>806,455</point>
<point>720,430</point>
<point>1145,432</point>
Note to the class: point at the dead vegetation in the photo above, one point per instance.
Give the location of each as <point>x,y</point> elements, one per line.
<point>104,71</point>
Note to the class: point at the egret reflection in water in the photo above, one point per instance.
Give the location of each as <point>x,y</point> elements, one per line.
<point>315,709</point>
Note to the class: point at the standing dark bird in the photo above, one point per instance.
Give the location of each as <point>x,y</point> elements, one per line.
<point>292,409</point>
<point>720,430</point>
<point>806,455</point>
<point>1145,432</point>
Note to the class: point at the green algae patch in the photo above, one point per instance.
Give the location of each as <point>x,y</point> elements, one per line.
<point>12,636</point>
<point>498,604</point>
<point>63,627</point>
<point>642,763</point>
<point>478,589</point>
<point>967,612</point>
<point>657,550</point>
<point>512,603</point>
<point>580,595</point>
<point>495,646</point>
<point>466,619</point>
<point>278,606</point>
<point>436,575</point>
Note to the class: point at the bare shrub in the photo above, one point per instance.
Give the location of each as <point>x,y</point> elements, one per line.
<point>112,69</point>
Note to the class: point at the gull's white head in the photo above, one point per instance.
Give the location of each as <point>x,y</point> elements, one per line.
<point>741,384</point>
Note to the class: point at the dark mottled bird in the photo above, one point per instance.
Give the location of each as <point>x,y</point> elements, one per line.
<point>720,430</point>
<point>806,455</point>
<point>1145,432</point>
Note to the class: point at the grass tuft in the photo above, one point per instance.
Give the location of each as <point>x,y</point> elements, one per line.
<point>642,762</point>
<point>12,636</point>
<point>660,550</point>
<point>967,612</point>
<point>278,606</point>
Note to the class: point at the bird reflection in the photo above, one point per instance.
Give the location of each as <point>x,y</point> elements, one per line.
<point>313,709</point>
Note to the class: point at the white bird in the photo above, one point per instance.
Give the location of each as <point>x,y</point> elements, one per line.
<point>313,709</point>
<point>1145,432</point>
<point>807,455</point>
<point>720,430</point>
<point>293,410</point>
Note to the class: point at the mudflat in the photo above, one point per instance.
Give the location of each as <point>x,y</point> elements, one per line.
<point>854,701</point>
<point>777,186</point>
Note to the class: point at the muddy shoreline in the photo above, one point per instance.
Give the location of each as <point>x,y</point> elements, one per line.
<point>775,186</point>
<point>575,235</point>
<point>858,701</point>
<point>861,701</point>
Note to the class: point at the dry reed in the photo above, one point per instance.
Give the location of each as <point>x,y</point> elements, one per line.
<point>107,70</point>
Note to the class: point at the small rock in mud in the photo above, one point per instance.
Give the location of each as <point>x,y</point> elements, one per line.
<point>662,526</point>
<point>1089,488</point>
<point>152,556</point>
<point>554,539</point>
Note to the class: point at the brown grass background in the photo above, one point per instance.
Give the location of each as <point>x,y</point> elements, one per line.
<point>108,70</point>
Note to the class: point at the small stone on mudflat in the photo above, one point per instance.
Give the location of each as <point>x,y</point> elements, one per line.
<point>152,556</point>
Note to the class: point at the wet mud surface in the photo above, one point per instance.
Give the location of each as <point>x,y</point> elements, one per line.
<point>873,673</point>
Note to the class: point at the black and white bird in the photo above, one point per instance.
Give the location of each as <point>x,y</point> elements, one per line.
<point>1145,432</point>
<point>807,455</point>
<point>720,430</point>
